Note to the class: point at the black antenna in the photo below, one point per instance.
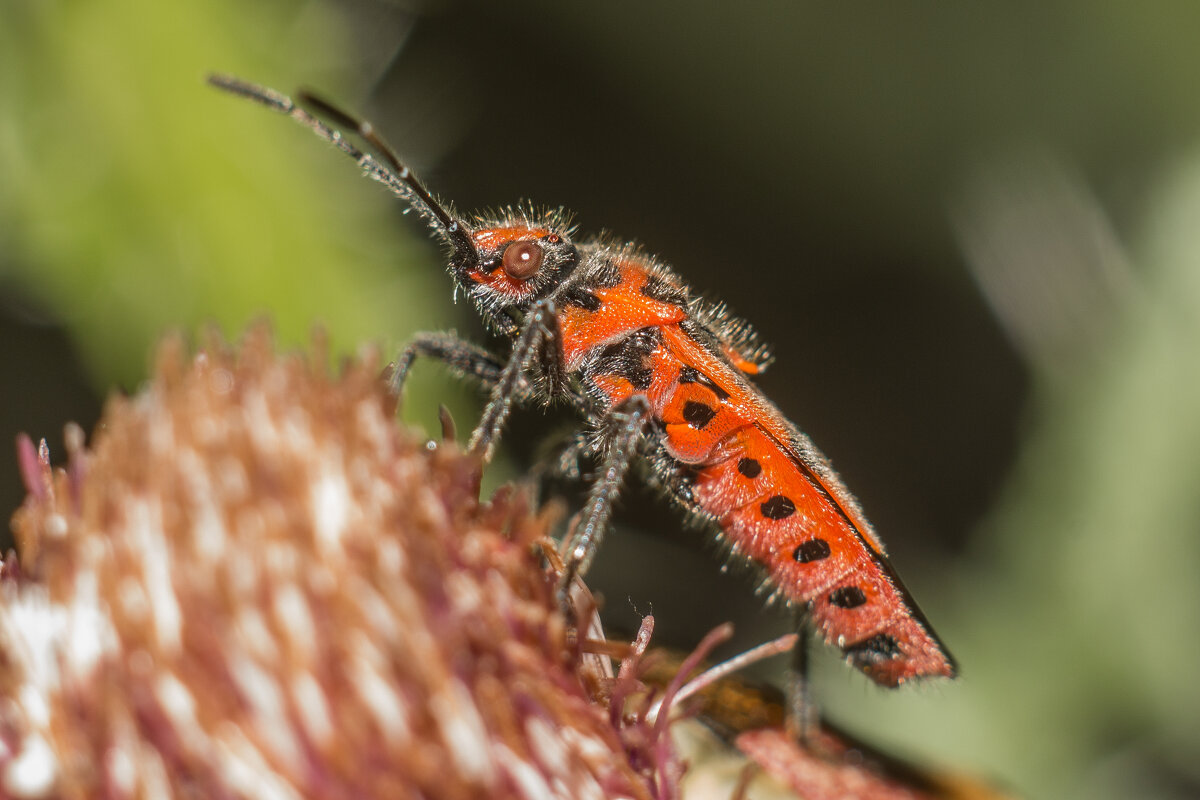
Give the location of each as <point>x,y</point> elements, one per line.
<point>399,179</point>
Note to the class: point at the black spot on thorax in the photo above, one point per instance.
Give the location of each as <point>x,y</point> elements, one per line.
<point>628,358</point>
<point>605,276</point>
<point>580,297</point>
<point>664,291</point>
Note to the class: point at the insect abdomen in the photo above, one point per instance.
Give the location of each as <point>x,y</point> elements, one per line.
<point>771,511</point>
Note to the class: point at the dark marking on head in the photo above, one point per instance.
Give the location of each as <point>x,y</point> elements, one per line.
<point>581,298</point>
<point>698,414</point>
<point>689,374</point>
<point>812,550</point>
<point>658,289</point>
<point>750,468</point>
<point>847,597</point>
<point>780,507</point>
<point>872,652</point>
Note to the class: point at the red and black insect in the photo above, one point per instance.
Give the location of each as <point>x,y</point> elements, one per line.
<point>662,375</point>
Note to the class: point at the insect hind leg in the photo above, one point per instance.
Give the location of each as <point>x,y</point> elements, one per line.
<point>623,430</point>
<point>803,717</point>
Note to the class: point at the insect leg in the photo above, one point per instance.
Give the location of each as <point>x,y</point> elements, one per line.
<point>561,463</point>
<point>539,334</point>
<point>803,721</point>
<point>625,425</point>
<point>565,463</point>
<point>460,356</point>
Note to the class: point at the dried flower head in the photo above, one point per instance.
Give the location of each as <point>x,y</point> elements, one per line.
<point>254,585</point>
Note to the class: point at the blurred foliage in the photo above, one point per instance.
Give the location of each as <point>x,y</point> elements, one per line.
<point>807,161</point>
<point>1075,615</point>
<point>135,199</point>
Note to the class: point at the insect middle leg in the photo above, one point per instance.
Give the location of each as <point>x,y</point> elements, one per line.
<point>623,430</point>
<point>803,719</point>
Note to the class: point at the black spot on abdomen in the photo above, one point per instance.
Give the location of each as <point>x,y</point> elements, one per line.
<point>698,414</point>
<point>750,468</point>
<point>689,374</point>
<point>812,550</point>
<point>778,507</point>
<point>874,651</point>
<point>847,597</point>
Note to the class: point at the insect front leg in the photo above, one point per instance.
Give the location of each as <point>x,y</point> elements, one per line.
<point>623,431</point>
<point>538,339</point>
<point>459,355</point>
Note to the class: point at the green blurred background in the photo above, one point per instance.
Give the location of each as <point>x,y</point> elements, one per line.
<point>972,232</point>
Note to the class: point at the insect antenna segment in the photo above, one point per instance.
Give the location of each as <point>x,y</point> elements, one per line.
<point>399,179</point>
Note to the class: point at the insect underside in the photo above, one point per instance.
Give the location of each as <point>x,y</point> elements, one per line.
<point>663,376</point>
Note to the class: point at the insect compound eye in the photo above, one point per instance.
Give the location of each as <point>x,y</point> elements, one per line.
<point>522,260</point>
